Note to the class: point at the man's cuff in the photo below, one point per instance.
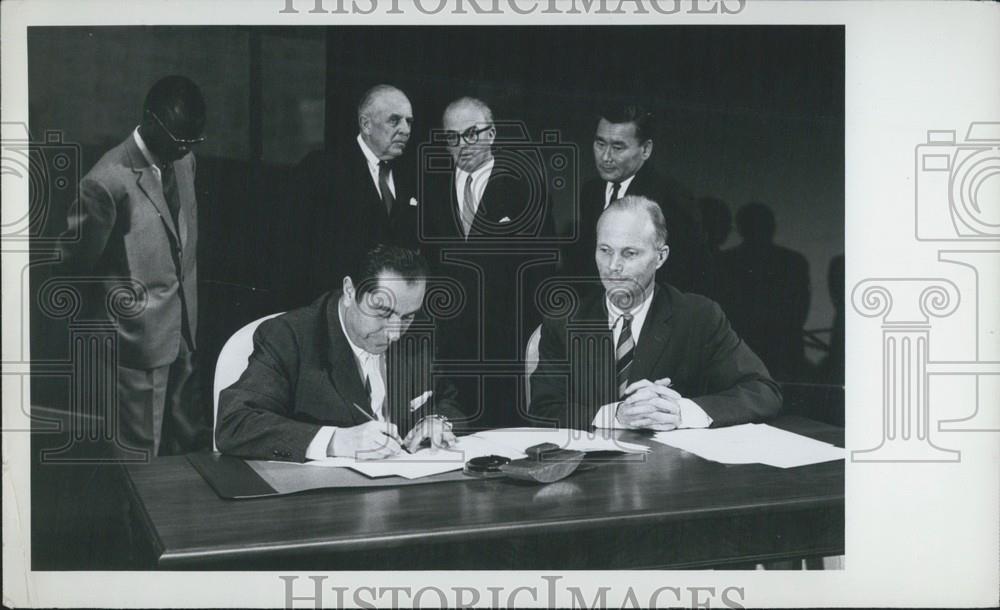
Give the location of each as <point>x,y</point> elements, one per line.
<point>693,416</point>
<point>317,447</point>
<point>606,418</point>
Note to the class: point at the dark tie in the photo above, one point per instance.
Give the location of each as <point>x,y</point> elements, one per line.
<point>623,354</point>
<point>468,206</point>
<point>615,188</point>
<point>384,169</point>
<point>169,180</point>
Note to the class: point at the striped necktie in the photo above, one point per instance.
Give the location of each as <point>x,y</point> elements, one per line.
<point>623,354</point>
<point>383,185</point>
<point>468,206</point>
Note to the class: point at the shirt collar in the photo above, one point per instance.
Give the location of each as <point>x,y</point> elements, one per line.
<point>622,190</point>
<point>146,153</point>
<point>360,353</point>
<point>373,160</point>
<point>478,174</point>
<point>638,313</point>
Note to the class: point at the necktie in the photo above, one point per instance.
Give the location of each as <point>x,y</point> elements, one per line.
<point>615,188</point>
<point>383,185</point>
<point>375,386</point>
<point>468,206</point>
<point>169,180</point>
<point>623,354</point>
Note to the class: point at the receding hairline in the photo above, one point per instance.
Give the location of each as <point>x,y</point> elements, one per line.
<point>469,102</point>
<point>375,94</point>
<point>635,204</point>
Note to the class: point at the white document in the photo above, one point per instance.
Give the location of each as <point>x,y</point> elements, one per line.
<point>506,442</point>
<point>752,444</point>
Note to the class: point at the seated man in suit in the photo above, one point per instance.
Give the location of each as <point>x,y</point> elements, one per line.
<point>642,354</point>
<point>342,376</point>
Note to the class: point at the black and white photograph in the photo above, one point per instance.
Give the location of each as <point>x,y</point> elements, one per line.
<point>385,311</point>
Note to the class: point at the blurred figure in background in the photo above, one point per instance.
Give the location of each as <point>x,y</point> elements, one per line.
<point>766,293</point>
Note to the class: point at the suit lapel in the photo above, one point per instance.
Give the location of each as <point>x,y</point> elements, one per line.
<point>342,367</point>
<point>374,196</point>
<point>654,336</point>
<point>150,185</point>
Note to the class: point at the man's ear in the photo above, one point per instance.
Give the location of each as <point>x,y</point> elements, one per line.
<point>348,287</point>
<point>647,149</point>
<point>364,123</point>
<point>662,255</point>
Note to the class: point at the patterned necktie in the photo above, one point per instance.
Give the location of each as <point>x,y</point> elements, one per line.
<point>468,206</point>
<point>375,386</point>
<point>383,185</point>
<point>615,189</point>
<point>623,354</point>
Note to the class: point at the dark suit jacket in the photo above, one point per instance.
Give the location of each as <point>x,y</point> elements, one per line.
<point>685,337</point>
<point>497,269</point>
<point>336,214</point>
<point>689,266</point>
<point>303,375</point>
<point>121,230</point>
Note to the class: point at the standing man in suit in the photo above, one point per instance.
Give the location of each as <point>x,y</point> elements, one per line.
<point>342,377</point>
<point>642,354</point>
<point>489,228</point>
<point>136,224</point>
<point>623,145</point>
<point>347,200</point>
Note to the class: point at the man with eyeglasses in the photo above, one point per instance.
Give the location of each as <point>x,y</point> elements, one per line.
<point>347,199</point>
<point>488,225</point>
<point>133,231</point>
<point>342,377</point>
<point>623,148</point>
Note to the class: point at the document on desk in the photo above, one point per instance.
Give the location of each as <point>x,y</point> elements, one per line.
<point>752,444</point>
<point>506,442</point>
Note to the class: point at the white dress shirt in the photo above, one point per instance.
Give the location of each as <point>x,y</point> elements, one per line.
<point>622,189</point>
<point>692,416</point>
<point>480,178</point>
<point>147,154</point>
<point>373,368</point>
<point>373,162</point>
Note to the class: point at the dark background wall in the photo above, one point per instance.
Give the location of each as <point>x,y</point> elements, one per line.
<point>745,113</point>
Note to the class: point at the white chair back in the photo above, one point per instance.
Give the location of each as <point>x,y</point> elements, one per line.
<point>531,362</point>
<point>232,361</point>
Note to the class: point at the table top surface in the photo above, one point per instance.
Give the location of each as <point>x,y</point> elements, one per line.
<point>188,520</point>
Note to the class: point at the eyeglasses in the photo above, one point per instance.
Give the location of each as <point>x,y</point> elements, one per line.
<point>177,141</point>
<point>470,135</point>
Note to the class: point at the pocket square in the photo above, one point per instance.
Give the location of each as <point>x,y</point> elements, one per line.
<point>419,401</point>
<point>505,219</point>
<point>413,201</point>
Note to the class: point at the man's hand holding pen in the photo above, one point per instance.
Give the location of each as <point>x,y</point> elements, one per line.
<point>650,404</point>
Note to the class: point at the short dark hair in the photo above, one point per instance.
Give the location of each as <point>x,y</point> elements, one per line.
<point>409,264</point>
<point>642,118</point>
<point>175,93</point>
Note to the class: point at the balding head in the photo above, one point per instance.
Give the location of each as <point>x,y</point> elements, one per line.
<point>385,119</point>
<point>468,123</point>
<point>631,246</point>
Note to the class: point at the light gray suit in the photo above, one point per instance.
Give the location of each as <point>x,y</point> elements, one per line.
<point>121,233</point>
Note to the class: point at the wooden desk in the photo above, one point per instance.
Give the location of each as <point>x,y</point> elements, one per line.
<point>668,509</point>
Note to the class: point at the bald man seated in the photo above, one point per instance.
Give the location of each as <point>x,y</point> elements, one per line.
<point>643,355</point>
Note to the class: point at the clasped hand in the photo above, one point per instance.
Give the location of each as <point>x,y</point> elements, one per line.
<point>650,404</point>
<point>376,440</point>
